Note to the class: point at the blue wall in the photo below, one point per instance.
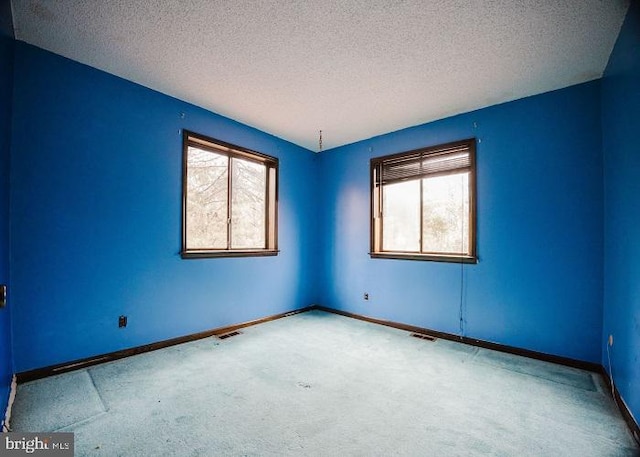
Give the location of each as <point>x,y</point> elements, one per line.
<point>620,126</point>
<point>538,284</point>
<point>96,217</point>
<point>6,84</point>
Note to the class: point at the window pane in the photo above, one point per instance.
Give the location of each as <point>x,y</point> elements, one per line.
<point>248,205</point>
<point>206,204</point>
<point>271,242</point>
<point>445,206</point>
<point>401,216</point>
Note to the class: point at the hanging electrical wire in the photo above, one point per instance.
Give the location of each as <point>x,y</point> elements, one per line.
<point>462,219</point>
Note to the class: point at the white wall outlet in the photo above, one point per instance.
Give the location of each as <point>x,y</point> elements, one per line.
<point>610,340</point>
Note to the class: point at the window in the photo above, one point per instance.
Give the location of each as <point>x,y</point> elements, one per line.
<point>423,204</point>
<point>229,200</point>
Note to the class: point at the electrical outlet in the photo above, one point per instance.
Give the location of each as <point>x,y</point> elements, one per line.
<point>610,340</point>
<point>366,296</point>
<point>122,321</point>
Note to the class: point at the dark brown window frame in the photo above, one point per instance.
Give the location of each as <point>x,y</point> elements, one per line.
<point>376,216</point>
<point>271,197</point>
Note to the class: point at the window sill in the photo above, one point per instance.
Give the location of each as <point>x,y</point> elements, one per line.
<point>427,257</point>
<point>206,254</point>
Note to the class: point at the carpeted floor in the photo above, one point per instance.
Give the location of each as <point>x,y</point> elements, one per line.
<point>321,384</point>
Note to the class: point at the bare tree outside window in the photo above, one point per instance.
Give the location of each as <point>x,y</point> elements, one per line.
<point>207,196</point>
<point>445,213</point>
<point>229,200</point>
<point>249,207</point>
<point>423,204</point>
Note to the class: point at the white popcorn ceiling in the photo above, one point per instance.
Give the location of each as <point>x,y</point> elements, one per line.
<point>351,68</point>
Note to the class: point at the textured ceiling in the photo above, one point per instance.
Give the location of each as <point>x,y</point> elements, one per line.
<point>353,68</point>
